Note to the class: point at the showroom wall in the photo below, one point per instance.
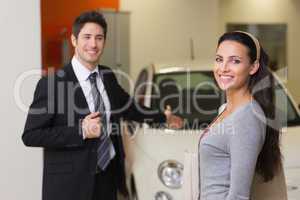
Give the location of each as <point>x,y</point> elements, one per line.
<point>21,167</point>
<point>270,11</point>
<point>160,31</point>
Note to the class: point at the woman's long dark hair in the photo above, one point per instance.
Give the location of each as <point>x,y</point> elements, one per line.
<point>261,86</point>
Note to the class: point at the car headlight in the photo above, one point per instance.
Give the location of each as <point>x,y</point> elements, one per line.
<point>163,196</point>
<point>170,173</point>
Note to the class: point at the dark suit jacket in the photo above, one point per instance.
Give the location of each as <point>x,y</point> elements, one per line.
<point>53,123</point>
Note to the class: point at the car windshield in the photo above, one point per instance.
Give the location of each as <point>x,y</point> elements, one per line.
<point>191,95</point>
<point>196,98</point>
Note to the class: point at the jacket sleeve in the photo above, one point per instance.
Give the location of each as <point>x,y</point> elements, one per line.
<point>131,110</point>
<point>40,130</point>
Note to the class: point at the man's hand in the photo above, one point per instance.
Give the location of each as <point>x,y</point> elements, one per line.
<point>91,126</point>
<point>173,121</point>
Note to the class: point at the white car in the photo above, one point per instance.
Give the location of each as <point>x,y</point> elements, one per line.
<point>156,155</point>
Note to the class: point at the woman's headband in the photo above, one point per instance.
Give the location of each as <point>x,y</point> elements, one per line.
<point>256,42</point>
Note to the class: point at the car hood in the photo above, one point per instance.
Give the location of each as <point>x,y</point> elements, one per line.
<point>166,144</point>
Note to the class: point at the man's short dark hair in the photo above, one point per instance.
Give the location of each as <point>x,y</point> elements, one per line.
<point>86,17</point>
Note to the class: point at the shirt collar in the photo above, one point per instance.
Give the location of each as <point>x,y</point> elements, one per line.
<point>81,71</point>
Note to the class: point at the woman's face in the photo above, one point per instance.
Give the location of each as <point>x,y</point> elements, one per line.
<point>232,66</point>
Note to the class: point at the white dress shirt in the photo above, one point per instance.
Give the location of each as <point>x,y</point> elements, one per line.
<point>82,73</point>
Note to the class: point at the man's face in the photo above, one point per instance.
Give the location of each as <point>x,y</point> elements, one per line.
<point>89,44</point>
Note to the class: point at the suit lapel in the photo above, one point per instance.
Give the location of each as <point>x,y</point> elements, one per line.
<point>107,82</point>
<point>75,90</point>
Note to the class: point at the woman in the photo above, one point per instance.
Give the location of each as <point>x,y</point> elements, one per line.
<point>240,141</point>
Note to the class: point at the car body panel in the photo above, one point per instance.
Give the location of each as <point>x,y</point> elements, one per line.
<point>150,150</point>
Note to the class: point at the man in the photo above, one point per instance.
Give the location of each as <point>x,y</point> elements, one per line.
<point>75,117</point>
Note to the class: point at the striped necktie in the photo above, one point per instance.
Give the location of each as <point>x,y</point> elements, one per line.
<point>105,144</point>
